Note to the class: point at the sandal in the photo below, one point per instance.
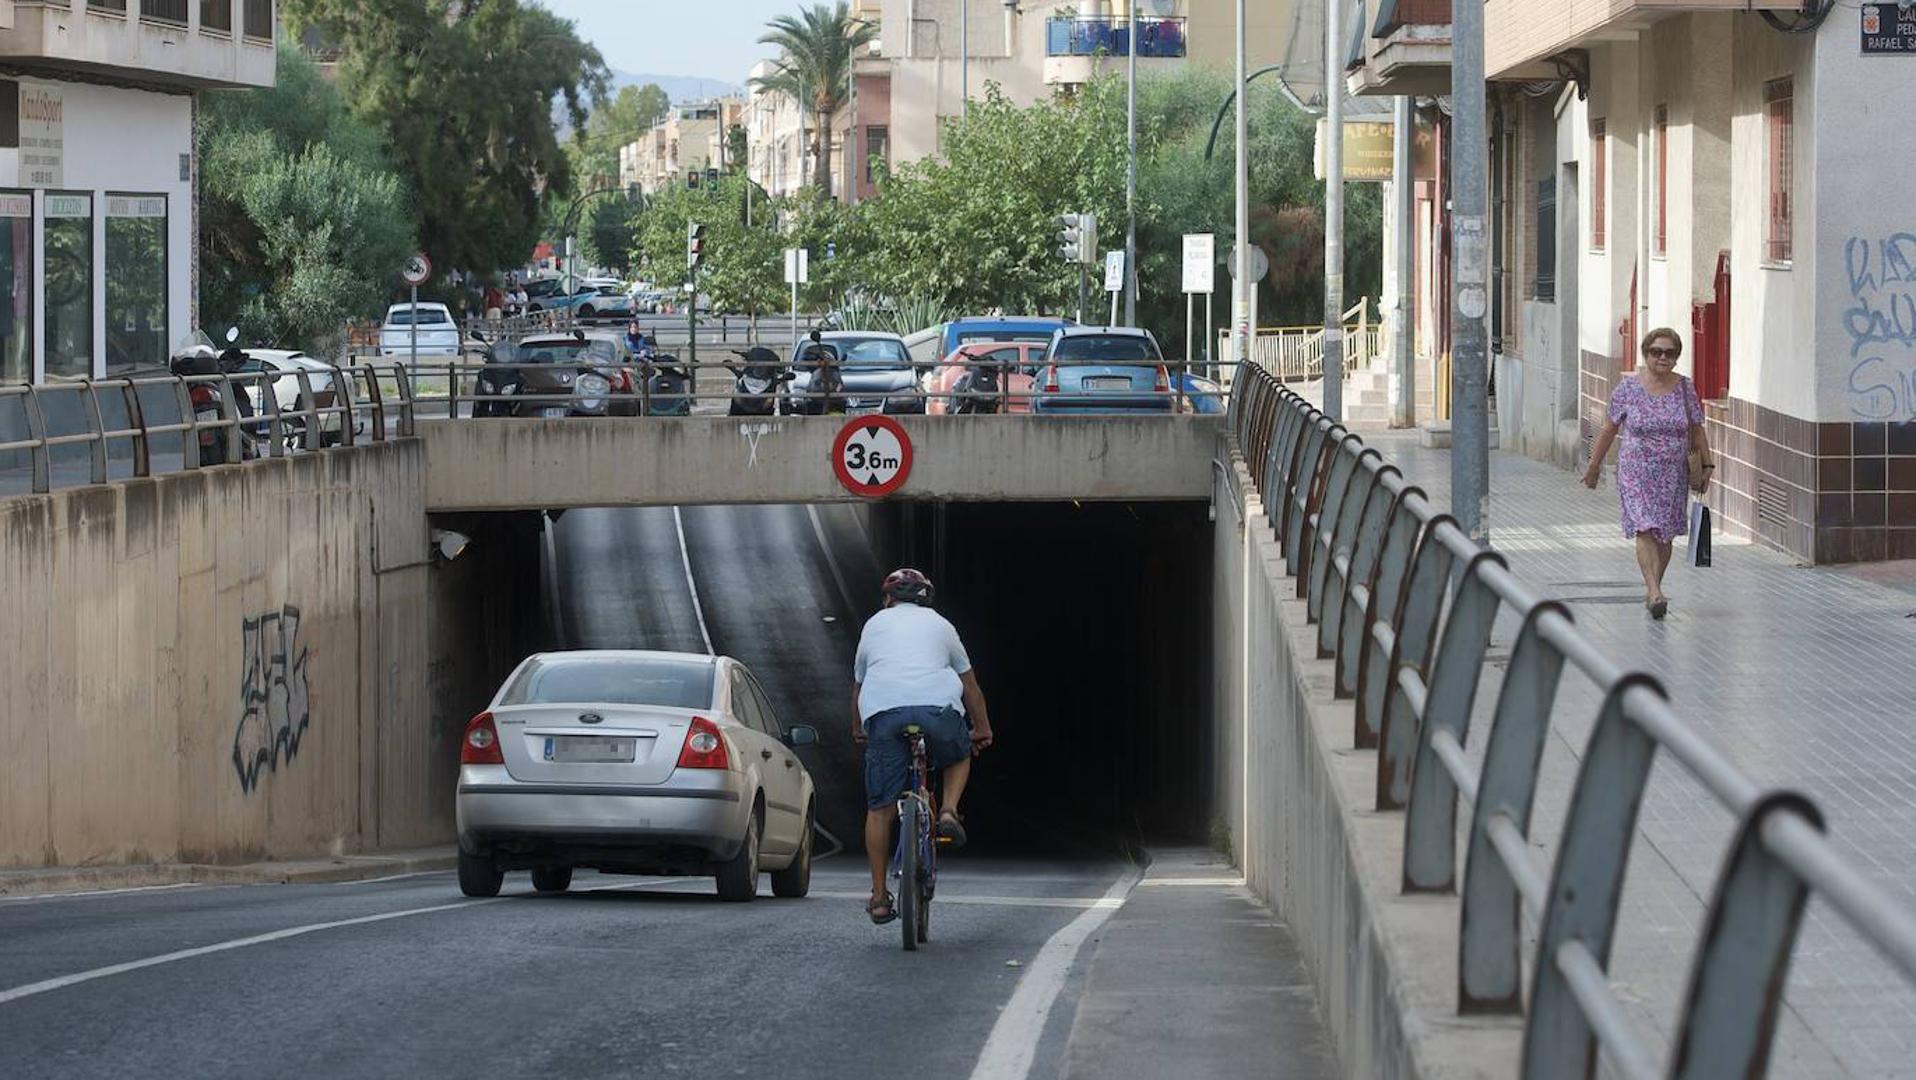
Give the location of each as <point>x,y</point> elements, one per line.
<point>1659,608</point>
<point>873,907</point>
<point>951,830</point>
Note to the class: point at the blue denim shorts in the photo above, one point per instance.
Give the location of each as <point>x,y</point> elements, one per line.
<point>888,756</point>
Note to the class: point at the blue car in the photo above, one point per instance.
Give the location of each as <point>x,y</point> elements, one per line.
<point>997,328</point>
<point>1102,369</point>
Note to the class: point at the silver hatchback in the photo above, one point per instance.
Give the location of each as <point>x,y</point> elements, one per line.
<point>634,763</point>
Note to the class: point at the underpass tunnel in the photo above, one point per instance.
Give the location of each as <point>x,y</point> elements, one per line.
<point>1088,624</point>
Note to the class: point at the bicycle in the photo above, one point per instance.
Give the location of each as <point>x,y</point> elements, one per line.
<point>914,863</point>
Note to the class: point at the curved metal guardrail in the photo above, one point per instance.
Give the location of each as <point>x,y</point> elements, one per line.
<point>366,391</point>
<point>1404,603</point>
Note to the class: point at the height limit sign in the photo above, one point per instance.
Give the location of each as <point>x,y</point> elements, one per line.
<point>872,456</point>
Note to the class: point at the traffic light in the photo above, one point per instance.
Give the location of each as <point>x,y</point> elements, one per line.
<point>1078,238</point>
<point>694,245</point>
<point>711,176</point>
<point>692,179</point>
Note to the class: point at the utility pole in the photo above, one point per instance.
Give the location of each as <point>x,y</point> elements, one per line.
<point>964,57</point>
<point>1241,284</point>
<point>1403,179</point>
<point>1469,336</point>
<point>1131,166</point>
<point>1333,211</point>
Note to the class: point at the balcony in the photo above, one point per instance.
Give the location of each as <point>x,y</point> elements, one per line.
<point>1521,36</point>
<point>182,43</point>
<point>1405,50</point>
<point>1077,46</point>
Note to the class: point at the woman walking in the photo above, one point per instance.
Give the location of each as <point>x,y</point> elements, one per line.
<point>1661,421</point>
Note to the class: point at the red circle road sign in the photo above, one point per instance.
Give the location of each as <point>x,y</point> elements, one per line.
<point>872,456</point>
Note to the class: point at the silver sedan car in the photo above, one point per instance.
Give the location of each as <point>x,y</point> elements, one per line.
<point>634,763</point>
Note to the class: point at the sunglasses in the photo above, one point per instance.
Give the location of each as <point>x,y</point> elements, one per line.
<point>1661,351</point>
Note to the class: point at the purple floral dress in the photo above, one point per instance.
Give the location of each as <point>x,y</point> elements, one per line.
<point>1653,472</point>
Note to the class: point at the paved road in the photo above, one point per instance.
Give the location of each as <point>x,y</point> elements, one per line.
<point>636,977</point>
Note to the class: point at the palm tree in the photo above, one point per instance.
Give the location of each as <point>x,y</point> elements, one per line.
<point>814,69</point>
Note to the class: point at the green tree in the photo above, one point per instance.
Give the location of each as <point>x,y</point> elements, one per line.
<point>302,223</point>
<point>815,69</point>
<point>743,267</point>
<point>464,91</point>
<point>621,119</point>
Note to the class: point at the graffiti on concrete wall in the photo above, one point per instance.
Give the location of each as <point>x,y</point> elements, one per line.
<point>275,703</point>
<point>1879,324</point>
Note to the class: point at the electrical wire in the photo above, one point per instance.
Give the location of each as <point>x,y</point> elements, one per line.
<point>1805,21</point>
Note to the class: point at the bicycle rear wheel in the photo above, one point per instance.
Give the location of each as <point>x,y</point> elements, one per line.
<point>911,908</point>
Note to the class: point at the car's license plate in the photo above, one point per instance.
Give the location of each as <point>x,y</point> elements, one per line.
<point>1107,382</point>
<point>556,410</point>
<point>590,748</point>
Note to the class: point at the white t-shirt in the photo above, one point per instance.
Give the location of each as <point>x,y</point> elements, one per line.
<point>909,655</point>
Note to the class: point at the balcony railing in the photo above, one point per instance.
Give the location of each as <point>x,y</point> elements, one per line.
<point>1395,14</point>
<point>1107,35</point>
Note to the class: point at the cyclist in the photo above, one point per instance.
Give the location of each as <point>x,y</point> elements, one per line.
<point>912,669</point>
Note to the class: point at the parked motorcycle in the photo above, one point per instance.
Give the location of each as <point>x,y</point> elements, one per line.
<point>668,386</point>
<point>755,382</point>
<point>556,375</point>
<point>194,357</point>
<point>976,393</point>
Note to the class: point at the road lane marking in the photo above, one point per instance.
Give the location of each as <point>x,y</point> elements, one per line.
<point>1014,1038</point>
<point>1075,902</point>
<point>831,562</point>
<point>1192,882</point>
<point>685,560</point>
<point>87,894</point>
<point>394,877</point>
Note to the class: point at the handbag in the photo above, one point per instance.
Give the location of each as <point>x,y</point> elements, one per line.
<point>1699,549</point>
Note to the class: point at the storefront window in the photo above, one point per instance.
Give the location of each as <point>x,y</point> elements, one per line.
<point>16,287</point>
<point>135,282</point>
<point>69,287</point>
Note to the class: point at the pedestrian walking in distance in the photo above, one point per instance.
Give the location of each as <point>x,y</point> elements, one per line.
<point>1665,456</point>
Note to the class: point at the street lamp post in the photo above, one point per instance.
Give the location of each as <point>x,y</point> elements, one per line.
<point>1241,284</point>
<point>1131,166</point>
<point>1333,212</point>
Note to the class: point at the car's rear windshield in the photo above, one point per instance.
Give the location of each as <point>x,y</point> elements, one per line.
<point>614,680</point>
<point>1103,349</point>
<point>426,317</point>
<point>1040,336</point>
<point>871,354</point>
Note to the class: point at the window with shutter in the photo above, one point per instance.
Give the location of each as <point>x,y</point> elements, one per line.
<point>1779,120</point>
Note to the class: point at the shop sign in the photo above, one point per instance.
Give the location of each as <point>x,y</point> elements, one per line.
<point>69,206</point>
<point>16,206</point>
<point>42,136</point>
<point>136,206</point>
<point>1889,30</point>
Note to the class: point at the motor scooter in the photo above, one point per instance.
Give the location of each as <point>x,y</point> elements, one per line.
<point>195,358</point>
<point>976,393</point>
<point>823,391</point>
<point>755,382</point>
<point>668,386</point>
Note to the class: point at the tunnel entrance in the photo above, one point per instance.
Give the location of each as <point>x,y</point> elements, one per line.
<point>1089,625</point>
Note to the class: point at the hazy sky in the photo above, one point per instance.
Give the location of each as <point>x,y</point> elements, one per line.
<point>712,39</point>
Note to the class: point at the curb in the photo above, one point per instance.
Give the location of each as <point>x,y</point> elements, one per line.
<point>85,879</point>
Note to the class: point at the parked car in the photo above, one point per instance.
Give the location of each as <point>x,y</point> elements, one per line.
<point>555,375</point>
<point>1103,369</point>
<point>285,365</point>
<point>587,302</point>
<point>438,334</point>
<point>876,370</point>
<point>1012,363</point>
<point>634,763</point>
<point>1033,328</point>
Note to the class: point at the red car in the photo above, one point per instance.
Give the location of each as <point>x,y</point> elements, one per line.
<point>1014,362</point>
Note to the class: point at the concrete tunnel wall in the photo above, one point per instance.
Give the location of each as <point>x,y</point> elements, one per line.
<point>235,663</point>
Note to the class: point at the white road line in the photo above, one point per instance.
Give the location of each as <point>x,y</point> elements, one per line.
<point>837,845</point>
<point>64,981</point>
<point>552,582</point>
<point>685,559</point>
<point>831,561</point>
<point>1081,903</point>
<point>393,877</point>
<point>1014,1038</point>
<point>88,894</point>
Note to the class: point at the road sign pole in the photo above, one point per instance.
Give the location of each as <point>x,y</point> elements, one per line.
<point>1469,417</point>
<point>414,363</point>
<point>1084,291</point>
<point>1210,340</point>
<point>1190,302</point>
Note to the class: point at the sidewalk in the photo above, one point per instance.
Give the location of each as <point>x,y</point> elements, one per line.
<point>58,879</point>
<point>1194,978</point>
<point>1800,675</point>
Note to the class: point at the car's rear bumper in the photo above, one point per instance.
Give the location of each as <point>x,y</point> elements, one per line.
<point>705,815</point>
<point>1095,402</point>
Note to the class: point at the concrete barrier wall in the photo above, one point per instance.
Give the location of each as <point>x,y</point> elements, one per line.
<point>542,464</point>
<point>220,665</point>
<point>1296,800</point>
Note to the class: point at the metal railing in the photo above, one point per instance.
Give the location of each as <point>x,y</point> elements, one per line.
<point>1404,603</point>
<point>339,405</point>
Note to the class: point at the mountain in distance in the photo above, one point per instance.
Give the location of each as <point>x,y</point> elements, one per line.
<point>680,88</point>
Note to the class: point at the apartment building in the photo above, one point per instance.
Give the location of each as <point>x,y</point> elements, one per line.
<point>98,239</point>
<point>691,139</point>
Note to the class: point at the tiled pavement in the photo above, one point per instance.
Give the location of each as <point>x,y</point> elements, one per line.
<point>1802,676</point>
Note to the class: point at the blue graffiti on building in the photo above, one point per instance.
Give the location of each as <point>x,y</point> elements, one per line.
<point>275,704</point>
<point>1880,324</point>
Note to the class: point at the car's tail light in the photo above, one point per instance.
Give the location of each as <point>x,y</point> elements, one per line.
<point>1164,380</point>
<point>481,744</point>
<point>704,747</point>
<point>1051,379</point>
<point>202,394</point>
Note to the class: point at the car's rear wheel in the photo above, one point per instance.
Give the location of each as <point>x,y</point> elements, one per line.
<point>587,311</point>
<point>478,876</point>
<point>738,876</point>
<point>795,880</point>
<point>552,879</point>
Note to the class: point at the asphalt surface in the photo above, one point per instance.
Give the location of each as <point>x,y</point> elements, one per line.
<point>639,977</point>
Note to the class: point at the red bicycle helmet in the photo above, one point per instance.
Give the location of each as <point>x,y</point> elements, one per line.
<point>908,585</point>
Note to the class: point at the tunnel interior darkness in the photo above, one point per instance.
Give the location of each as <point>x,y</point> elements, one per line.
<point>1089,625</point>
